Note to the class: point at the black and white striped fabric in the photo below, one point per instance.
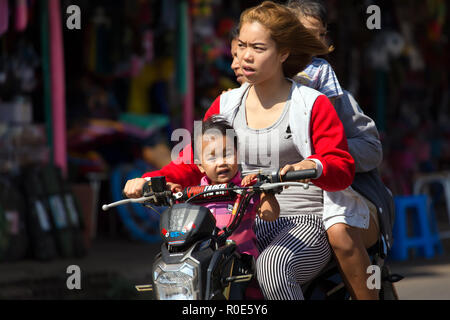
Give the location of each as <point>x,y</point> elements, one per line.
<point>294,249</point>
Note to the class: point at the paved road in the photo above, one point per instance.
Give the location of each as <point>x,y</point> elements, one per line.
<point>112,268</point>
<point>424,280</point>
<point>109,271</point>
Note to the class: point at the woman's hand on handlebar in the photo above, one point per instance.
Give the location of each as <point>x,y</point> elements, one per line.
<point>133,188</point>
<point>303,165</point>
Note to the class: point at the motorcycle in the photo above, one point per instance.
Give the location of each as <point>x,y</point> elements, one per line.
<point>197,260</point>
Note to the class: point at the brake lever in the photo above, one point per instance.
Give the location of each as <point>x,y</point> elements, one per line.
<point>151,197</point>
<point>106,207</point>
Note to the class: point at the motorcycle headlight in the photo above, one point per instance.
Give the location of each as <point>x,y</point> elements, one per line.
<point>176,282</point>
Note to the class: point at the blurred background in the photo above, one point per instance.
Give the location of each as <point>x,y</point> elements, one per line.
<point>91,91</point>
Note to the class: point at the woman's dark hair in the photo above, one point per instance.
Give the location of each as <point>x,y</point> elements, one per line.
<point>310,8</point>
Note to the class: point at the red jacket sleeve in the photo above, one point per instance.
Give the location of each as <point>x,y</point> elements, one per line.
<point>185,173</point>
<point>330,147</point>
<point>214,109</point>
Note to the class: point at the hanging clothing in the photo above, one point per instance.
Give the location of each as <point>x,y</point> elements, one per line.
<point>4,16</point>
<point>21,18</point>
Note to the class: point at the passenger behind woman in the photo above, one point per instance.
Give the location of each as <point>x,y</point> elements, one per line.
<point>348,239</point>
<point>219,164</point>
<point>319,74</point>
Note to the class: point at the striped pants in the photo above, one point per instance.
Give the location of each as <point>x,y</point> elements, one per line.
<point>293,251</point>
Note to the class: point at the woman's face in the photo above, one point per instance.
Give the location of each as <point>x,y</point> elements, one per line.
<point>257,53</point>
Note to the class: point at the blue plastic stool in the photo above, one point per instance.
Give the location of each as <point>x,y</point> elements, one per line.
<point>425,238</point>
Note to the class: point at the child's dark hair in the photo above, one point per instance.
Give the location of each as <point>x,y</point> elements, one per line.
<point>213,125</point>
<point>310,8</point>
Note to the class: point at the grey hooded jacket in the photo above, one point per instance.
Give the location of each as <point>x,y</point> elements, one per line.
<point>365,147</point>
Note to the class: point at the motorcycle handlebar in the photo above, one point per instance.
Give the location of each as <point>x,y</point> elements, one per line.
<point>298,175</point>
<point>274,178</point>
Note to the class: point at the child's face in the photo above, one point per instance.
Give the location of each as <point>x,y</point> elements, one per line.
<point>315,26</point>
<point>218,158</point>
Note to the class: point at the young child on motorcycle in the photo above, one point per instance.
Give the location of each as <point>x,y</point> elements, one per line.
<point>216,150</point>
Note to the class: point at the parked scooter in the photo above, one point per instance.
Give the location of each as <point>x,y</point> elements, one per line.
<point>197,260</point>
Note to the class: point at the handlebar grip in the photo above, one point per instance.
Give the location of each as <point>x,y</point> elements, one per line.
<point>299,175</point>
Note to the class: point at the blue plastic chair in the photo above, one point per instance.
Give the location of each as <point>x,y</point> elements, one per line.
<point>425,238</point>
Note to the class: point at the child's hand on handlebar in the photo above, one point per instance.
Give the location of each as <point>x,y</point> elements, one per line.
<point>303,165</point>
<point>174,187</point>
<point>247,180</point>
<point>133,188</point>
